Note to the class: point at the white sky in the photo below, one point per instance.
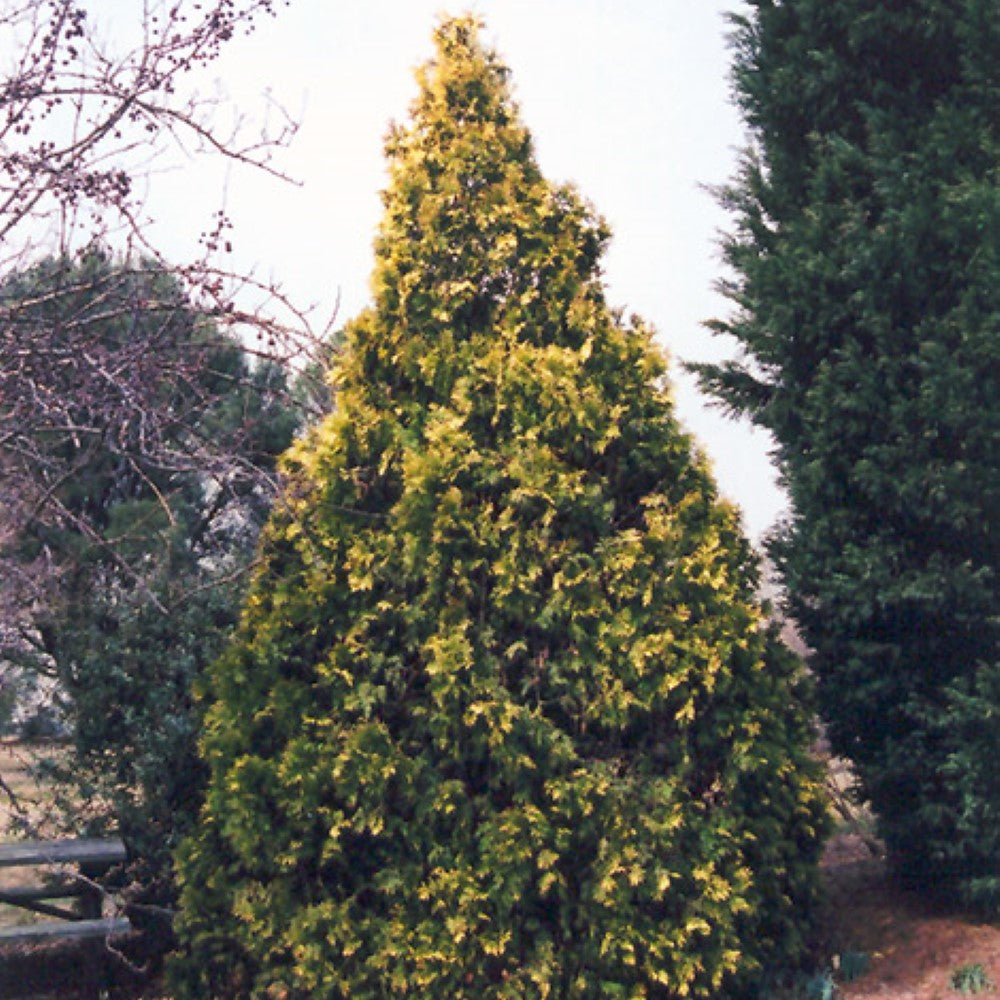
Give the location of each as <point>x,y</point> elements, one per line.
<point>628,99</point>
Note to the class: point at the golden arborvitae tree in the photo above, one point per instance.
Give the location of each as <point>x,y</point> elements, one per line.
<point>502,718</point>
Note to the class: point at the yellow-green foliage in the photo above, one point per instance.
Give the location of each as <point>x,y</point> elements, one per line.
<point>501,719</point>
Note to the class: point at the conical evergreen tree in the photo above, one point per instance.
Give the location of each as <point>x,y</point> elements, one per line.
<point>866,274</point>
<point>501,719</point>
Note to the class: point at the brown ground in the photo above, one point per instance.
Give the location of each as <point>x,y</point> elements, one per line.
<point>914,947</point>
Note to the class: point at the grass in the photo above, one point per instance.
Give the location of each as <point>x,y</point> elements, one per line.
<point>14,770</point>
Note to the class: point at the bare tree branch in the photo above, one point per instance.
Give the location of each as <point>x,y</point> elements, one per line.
<point>119,389</point>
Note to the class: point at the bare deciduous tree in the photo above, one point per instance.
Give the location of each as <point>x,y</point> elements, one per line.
<point>101,356</point>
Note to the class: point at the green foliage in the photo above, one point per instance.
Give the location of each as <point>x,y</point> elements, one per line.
<point>809,986</point>
<point>501,718</point>
<point>970,979</point>
<point>967,727</point>
<point>866,269</point>
<point>127,670</point>
<point>814,984</point>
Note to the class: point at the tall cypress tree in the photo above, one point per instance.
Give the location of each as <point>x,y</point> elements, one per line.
<point>866,262</point>
<point>502,719</point>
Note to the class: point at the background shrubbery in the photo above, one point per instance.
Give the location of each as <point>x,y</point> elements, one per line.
<point>136,478</point>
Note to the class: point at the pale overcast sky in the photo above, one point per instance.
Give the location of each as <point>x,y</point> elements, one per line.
<point>628,99</point>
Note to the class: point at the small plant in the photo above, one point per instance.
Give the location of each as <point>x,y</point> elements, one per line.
<point>970,979</point>
<point>853,965</point>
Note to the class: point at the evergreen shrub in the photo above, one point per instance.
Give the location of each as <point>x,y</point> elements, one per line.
<point>502,718</point>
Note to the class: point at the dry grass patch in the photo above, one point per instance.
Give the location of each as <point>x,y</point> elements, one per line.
<point>24,804</point>
<point>31,806</point>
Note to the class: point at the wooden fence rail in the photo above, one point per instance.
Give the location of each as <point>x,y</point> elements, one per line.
<point>92,858</point>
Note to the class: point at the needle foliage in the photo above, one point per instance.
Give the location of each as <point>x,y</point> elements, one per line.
<point>866,273</point>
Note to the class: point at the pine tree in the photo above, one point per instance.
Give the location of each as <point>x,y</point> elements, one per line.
<point>502,718</point>
<point>866,269</point>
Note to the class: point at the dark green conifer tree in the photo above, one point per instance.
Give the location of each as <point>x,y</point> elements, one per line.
<point>502,718</point>
<point>866,262</point>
